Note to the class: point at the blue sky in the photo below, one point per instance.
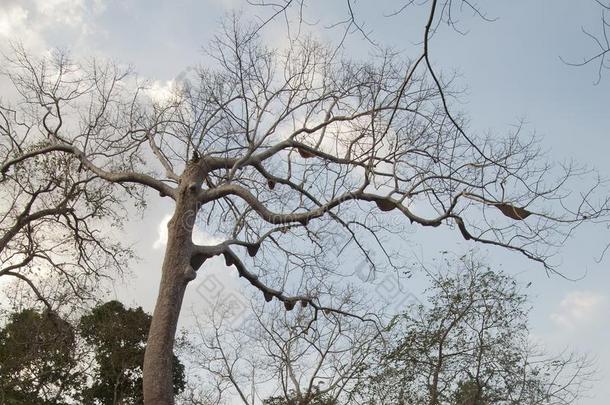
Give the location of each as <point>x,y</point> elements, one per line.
<point>511,70</point>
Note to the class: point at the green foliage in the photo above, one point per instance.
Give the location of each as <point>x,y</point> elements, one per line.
<point>44,360</point>
<point>469,393</point>
<point>118,337</point>
<point>293,399</point>
<point>467,345</point>
<point>37,359</point>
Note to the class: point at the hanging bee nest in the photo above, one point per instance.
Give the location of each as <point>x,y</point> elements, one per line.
<point>385,205</point>
<point>516,213</point>
<point>305,154</point>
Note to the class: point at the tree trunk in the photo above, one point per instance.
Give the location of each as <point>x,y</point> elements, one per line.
<point>176,274</point>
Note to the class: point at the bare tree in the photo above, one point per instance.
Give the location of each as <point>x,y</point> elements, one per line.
<point>280,357</point>
<point>468,343</point>
<point>51,210</point>
<point>279,152</point>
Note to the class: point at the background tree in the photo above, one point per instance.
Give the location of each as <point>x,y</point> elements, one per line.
<point>39,358</point>
<point>118,339</point>
<point>278,357</point>
<point>280,152</point>
<point>469,344</point>
<point>46,360</point>
<point>321,399</point>
<point>51,210</point>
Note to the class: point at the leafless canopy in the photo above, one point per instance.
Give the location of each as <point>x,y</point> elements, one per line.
<point>601,42</point>
<point>289,142</point>
<point>285,156</point>
<point>283,355</point>
<point>51,211</point>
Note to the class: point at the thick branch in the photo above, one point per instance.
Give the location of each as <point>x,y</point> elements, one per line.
<point>113,177</point>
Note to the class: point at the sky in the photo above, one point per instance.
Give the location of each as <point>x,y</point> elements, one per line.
<point>510,68</point>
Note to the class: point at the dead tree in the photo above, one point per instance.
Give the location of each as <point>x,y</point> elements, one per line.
<point>51,208</point>
<point>278,151</point>
<point>282,357</point>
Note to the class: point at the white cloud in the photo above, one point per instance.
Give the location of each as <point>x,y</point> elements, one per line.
<point>199,237</point>
<point>162,233</point>
<point>161,92</point>
<point>68,12</point>
<point>29,22</point>
<point>580,308</point>
<point>17,24</point>
<point>229,4</point>
<point>12,20</point>
<point>203,238</point>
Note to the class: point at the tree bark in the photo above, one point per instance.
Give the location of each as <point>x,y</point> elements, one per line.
<point>177,272</point>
